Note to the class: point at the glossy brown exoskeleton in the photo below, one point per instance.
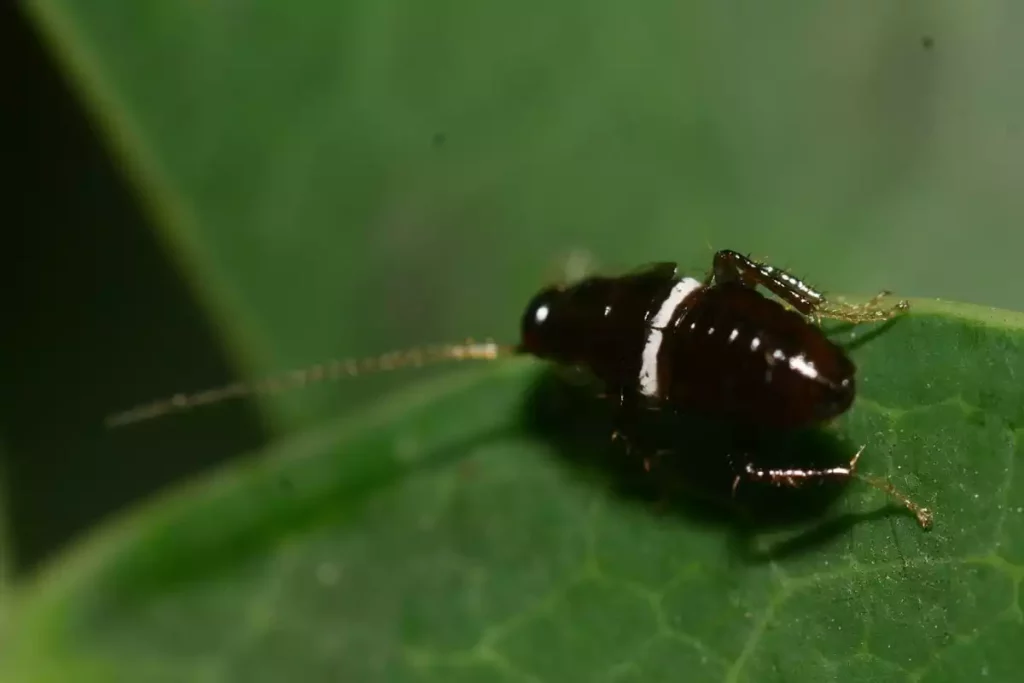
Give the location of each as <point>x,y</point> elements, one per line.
<point>715,346</point>
<point>657,339</point>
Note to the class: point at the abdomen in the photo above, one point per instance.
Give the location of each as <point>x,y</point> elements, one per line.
<point>737,354</point>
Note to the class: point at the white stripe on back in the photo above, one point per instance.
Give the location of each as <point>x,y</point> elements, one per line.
<point>649,358</point>
<point>682,289</point>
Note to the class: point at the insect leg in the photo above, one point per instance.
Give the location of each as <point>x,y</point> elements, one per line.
<point>872,310</point>
<point>797,477</point>
<point>624,421</point>
<point>731,266</point>
<point>628,413</point>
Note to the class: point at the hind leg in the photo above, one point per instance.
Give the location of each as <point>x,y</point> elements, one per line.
<point>800,476</point>
<point>731,266</point>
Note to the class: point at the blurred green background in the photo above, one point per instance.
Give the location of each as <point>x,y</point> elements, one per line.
<point>210,190</point>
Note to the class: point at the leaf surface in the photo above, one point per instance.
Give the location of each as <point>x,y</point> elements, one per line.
<point>439,537</point>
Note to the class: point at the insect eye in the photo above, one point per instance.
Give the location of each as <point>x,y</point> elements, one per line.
<point>538,317</point>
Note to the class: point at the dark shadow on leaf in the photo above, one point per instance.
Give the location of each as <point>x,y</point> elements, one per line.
<point>811,539</point>
<point>691,476</point>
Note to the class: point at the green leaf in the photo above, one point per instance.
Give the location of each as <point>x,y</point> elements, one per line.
<point>316,170</point>
<point>439,537</point>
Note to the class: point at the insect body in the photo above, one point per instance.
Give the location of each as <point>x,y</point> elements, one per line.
<point>718,346</point>
<point>657,339</point>
<point>714,346</point>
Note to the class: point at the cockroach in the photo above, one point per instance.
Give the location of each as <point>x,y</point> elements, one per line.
<point>657,339</point>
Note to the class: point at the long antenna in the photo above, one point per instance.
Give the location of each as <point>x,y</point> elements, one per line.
<point>328,371</point>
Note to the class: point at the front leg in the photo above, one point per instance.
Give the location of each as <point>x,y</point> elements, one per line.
<point>628,413</point>
<point>731,266</point>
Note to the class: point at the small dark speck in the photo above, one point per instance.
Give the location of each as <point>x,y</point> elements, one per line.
<point>439,139</point>
<point>927,42</point>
